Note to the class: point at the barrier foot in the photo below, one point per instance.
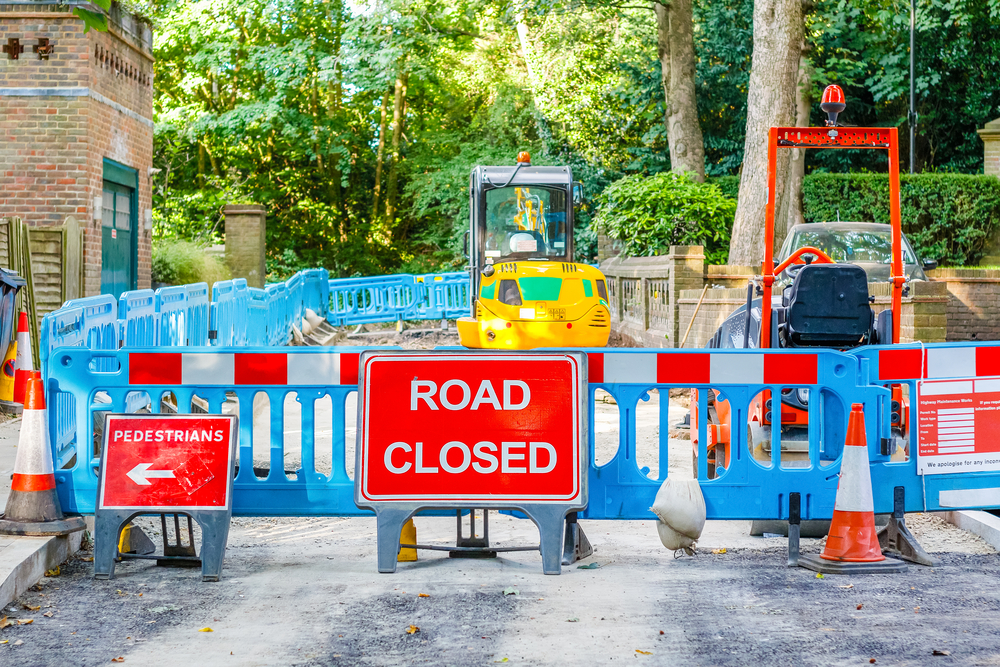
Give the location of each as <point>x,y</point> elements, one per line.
<point>794,519</point>
<point>550,521</point>
<point>472,546</point>
<point>107,532</point>
<point>897,538</point>
<point>576,546</point>
<point>214,536</point>
<point>389,522</point>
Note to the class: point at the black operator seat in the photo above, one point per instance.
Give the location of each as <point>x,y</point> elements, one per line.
<point>828,307</point>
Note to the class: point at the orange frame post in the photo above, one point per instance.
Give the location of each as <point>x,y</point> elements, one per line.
<point>880,138</point>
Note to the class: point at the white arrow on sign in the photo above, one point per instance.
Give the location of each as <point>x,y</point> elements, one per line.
<point>141,474</point>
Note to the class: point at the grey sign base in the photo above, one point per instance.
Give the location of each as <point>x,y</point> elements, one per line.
<point>823,566</point>
<point>548,518</point>
<point>214,525</point>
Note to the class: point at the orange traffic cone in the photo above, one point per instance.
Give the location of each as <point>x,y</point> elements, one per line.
<point>7,403</point>
<point>852,544</point>
<point>33,506</point>
<point>23,365</point>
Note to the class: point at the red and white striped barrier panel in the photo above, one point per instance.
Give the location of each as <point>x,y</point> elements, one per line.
<point>939,362</point>
<point>691,368</point>
<point>231,369</point>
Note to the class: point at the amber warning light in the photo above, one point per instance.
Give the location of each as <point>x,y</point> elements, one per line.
<point>524,157</point>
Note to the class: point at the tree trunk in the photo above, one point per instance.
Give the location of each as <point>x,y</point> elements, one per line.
<point>789,211</point>
<point>675,44</point>
<point>777,42</point>
<point>382,129</point>
<point>398,116</point>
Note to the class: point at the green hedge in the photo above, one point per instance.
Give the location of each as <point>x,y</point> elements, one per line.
<point>948,217</point>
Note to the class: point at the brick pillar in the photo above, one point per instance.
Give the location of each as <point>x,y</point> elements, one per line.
<point>925,313</point>
<point>245,242</point>
<point>990,134</point>
<point>687,271</point>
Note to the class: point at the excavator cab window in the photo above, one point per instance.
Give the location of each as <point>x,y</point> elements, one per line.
<point>526,222</point>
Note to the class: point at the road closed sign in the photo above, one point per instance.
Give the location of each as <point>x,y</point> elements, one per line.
<point>166,463</point>
<point>472,429</point>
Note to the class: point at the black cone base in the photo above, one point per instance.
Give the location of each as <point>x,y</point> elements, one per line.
<point>42,528</point>
<point>824,566</point>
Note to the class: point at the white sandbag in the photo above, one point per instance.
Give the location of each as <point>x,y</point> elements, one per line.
<point>307,327</point>
<point>314,319</point>
<point>680,508</point>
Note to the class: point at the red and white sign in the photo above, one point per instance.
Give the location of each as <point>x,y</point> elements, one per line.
<point>472,428</point>
<point>167,462</point>
<point>702,368</point>
<point>319,368</point>
<point>959,426</point>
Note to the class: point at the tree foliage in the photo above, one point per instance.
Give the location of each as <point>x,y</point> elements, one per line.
<point>281,102</point>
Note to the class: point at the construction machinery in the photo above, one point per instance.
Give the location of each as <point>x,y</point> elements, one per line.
<point>821,303</point>
<point>527,292</point>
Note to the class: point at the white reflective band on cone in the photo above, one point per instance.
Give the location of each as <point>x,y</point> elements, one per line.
<point>23,360</point>
<point>33,454</point>
<point>854,493</point>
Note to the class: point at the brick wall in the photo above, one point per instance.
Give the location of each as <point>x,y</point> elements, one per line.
<point>61,116</point>
<point>973,306</point>
<point>990,134</point>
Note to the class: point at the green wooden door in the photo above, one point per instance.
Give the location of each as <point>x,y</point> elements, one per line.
<point>117,227</point>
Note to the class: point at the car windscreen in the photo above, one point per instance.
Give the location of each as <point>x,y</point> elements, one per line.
<point>526,222</point>
<point>850,245</point>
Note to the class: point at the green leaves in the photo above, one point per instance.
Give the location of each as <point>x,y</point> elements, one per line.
<point>93,20</point>
<point>649,214</point>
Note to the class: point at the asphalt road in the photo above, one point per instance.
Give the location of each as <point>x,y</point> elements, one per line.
<point>306,592</point>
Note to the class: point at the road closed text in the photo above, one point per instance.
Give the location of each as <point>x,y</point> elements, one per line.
<point>484,458</point>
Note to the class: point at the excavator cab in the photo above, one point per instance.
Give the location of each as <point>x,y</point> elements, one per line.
<point>526,290</point>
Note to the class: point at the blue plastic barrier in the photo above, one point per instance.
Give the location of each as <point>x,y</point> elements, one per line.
<point>278,329</point>
<point>172,312</point>
<point>257,318</point>
<point>973,369</point>
<point>370,300</point>
<point>619,489</point>
<point>442,296</point>
<point>222,314</point>
<point>197,314</point>
<point>316,291</point>
<point>137,318</point>
<point>294,310</point>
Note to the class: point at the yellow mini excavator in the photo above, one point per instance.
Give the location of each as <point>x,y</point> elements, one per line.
<point>526,290</point>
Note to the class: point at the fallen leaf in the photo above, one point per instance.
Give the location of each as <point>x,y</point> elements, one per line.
<point>573,620</point>
<point>17,643</point>
<point>939,652</point>
<point>4,622</point>
<point>639,650</point>
<point>48,614</point>
<point>30,608</point>
<point>872,661</point>
<point>719,551</point>
<point>206,630</point>
<point>140,594</point>
<point>819,575</point>
<point>423,595</point>
<point>827,630</point>
<point>87,559</point>
<point>511,591</point>
<point>916,610</point>
<point>661,632</point>
<point>25,621</point>
<point>120,658</point>
<point>847,586</point>
<point>4,641</point>
<point>54,572</point>
<point>504,660</point>
<point>412,630</point>
<point>589,566</point>
<point>860,606</point>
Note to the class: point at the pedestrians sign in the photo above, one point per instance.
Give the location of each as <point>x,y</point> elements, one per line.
<point>959,426</point>
<point>166,464</point>
<point>484,430</point>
